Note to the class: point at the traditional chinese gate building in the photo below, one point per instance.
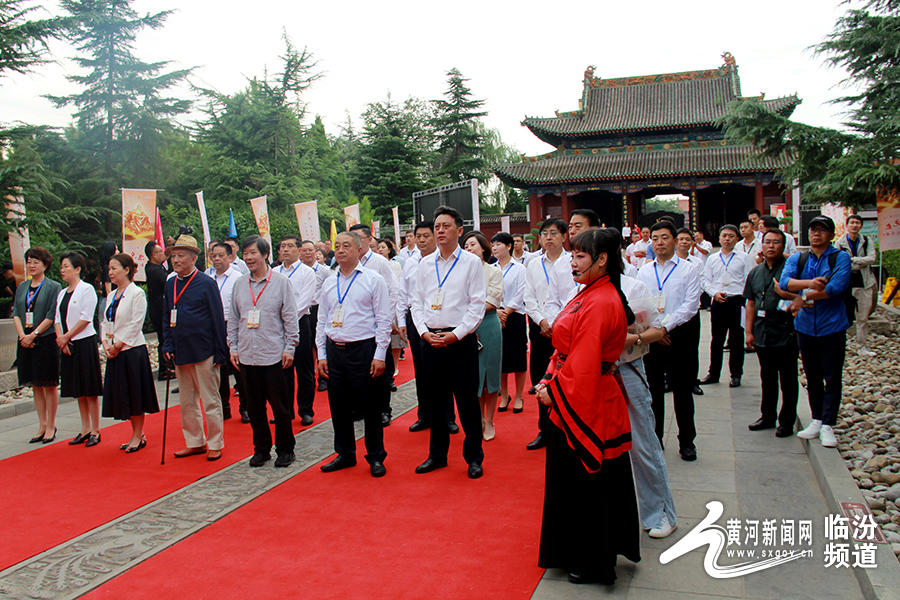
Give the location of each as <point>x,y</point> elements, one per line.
<point>637,137</point>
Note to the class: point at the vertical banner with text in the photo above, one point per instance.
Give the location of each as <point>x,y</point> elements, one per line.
<point>351,216</point>
<point>138,226</point>
<point>838,214</point>
<point>376,229</point>
<point>308,220</point>
<point>504,223</point>
<point>396,214</point>
<point>18,240</point>
<point>261,214</point>
<point>204,220</point>
<point>888,219</point>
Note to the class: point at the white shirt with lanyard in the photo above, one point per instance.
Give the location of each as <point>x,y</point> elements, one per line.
<point>303,283</point>
<point>537,285</point>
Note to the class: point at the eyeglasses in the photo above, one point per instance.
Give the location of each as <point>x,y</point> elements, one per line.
<point>550,232</point>
<point>818,230</point>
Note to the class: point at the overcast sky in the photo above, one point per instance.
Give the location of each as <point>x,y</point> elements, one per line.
<point>524,59</point>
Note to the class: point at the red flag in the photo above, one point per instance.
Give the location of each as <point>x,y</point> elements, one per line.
<point>159,236</point>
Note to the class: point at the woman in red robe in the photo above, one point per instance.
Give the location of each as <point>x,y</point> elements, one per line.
<point>590,509</point>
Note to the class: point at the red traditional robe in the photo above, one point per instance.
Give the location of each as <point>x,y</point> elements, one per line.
<point>588,405</point>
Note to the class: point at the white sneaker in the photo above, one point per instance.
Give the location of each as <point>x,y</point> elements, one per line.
<point>864,351</point>
<point>827,437</point>
<point>812,430</point>
<point>664,529</point>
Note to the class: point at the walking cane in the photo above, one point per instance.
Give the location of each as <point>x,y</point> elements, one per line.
<point>165,422</point>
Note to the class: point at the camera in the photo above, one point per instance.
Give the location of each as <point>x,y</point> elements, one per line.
<point>184,229</point>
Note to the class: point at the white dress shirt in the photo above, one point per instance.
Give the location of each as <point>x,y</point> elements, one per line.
<point>322,273</point>
<point>513,286</point>
<point>464,293</point>
<point>694,260</point>
<point>727,273</point>
<point>636,290</point>
<point>706,246</point>
<point>679,281</point>
<point>406,253</point>
<point>129,318</point>
<point>752,249</point>
<point>367,310</point>
<point>82,305</point>
<point>406,287</point>
<point>303,282</point>
<point>537,284</point>
<point>225,282</point>
<point>630,271</point>
<point>493,284</point>
<point>558,290</point>
<point>381,265</point>
<point>240,266</point>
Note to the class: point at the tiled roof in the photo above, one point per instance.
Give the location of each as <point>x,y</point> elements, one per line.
<point>624,163</point>
<point>688,99</point>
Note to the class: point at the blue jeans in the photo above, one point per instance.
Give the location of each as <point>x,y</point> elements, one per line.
<point>650,474</point>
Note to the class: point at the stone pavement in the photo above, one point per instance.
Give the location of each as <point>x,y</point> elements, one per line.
<point>753,474</point>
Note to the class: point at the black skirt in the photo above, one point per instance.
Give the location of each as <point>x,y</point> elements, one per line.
<point>589,518</point>
<point>79,372</point>
<point>129,389</point>
<point>515,344</point>
<point>39,365</point>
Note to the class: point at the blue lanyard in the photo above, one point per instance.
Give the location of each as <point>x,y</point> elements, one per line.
<point>545,270</point>
<point>666,278</point>
<point>344,297</point>
<point>730,258</point>
<point>112,307</point>
<point>365,262</point>
<point>31,298</point>
<point>508,268</point>
<point>853,245</point>
<point>292,272</point>
<point>440,281</point>
<point>223,282</point>
<point>316,270</point>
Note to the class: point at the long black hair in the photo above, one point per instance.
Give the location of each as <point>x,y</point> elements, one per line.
<point>607,241</point>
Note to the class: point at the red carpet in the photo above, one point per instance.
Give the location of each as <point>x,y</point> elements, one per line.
<point>346,535</point>
<point>57,492</point>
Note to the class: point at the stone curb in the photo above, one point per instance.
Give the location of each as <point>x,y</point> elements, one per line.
<point>24,406</point>
<point>837,485</point>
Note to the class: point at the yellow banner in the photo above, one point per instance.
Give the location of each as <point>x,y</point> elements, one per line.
<point>18,240</point>
<point>261,214</point>
<point>308,220</point>
<point>138,225</point>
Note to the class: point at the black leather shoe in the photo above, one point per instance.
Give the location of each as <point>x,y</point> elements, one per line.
<point>688,454</point>
<point>760,424</point>
<point>475,471</point>
<point>271,421</point>
<point>377,469</point>
<point>393,387</point>
<point>79,439</point>
<point>697,390</point>
<point>537,443</point>
<point>46,441</point>
<point>226,414</point>
<point>419,425</point>
<point>93,440</point>
<point>245,417</point>
<point>385,419</point>
<point>430,465</point>
<point>708,380</point>
<point>323,385</point>
<point>284,459</point>
<point>783,431</point>
<point>735,382</point>
<point>453,427</point>
<point>36,439</point>
<point>337,464</point>
<point>259,459</point>
<point>306,420</point>
<point>579,578</point>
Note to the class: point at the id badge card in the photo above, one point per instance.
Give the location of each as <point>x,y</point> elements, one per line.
<point>761,314</point>
<point>726,279</point>
<point>438,301</point>
<point>338,319</point>
<point>29,319</point>
<point>106,328</point>
<point>661,303</point>
<point>253,319</point>
<point>173,317</point>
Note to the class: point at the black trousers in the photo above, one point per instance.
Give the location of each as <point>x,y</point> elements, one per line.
<point>313,323</point>
<point>266,384</point>
<point>382,389</point>
<point>305,368</point>
<point>823,362</point>
<point>725,318</point>
<point>677,364</point>
<point>425,398</point>
<point>453,373</point>
<point>779,363</point>
<point>352,389</point>
<point>541,351</point>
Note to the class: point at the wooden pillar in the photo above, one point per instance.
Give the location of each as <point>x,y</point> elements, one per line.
<point>759,203</point>
<point>694,210</point>
<point>535,210</point>
<point>566,208</point>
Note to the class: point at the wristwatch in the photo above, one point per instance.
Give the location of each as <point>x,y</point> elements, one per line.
<point>804,294</point>
<point>640,340</point>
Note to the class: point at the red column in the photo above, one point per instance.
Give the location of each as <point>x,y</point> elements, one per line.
<point>759,204</point>
<point>535,210</point>
<point>565,206</point>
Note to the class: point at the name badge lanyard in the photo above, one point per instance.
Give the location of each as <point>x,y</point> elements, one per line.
<point>546,275</point>
<point>730,258</point>
<point>289,276</point>
<point>661,299</point>
<point>223,283</point>
<point>504,272</point>
<point>365,262</point>
<point>439,296</point>
<point>173,315</point>
<point>111,309</point>
<point>853,245</point>
<point>338,319</point>
<point>253,316</point>
<point>30,299</point>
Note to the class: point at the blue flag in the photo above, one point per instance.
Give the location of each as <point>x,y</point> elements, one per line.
<point>232,229</point>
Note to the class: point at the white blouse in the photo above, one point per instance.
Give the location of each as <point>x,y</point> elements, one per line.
<point>130,316</point>
<point>81,307</point>
<point>493,283</point>
<point>514,286</point>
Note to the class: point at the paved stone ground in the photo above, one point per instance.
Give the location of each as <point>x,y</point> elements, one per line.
<point>754,475</point>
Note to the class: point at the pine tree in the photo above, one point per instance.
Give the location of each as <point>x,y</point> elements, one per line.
<point>459,143</point>
<point>842,167</point>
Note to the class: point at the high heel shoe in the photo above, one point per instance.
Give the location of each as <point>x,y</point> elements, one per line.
<point>46,441</point>
<point>93,440</point>
<point>506,406</point>
<point>140,445</point>
<point>488,436</point>
<point>79,439</point>
<point>38,438</point>
<point>520,409</point>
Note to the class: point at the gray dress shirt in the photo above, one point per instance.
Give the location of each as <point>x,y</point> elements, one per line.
<point>278,330</point>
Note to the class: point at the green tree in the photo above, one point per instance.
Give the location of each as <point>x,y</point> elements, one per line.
<point>23,41</point>
<point>843,167</point>
<point>495,196</point>
<point>460,143</point>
